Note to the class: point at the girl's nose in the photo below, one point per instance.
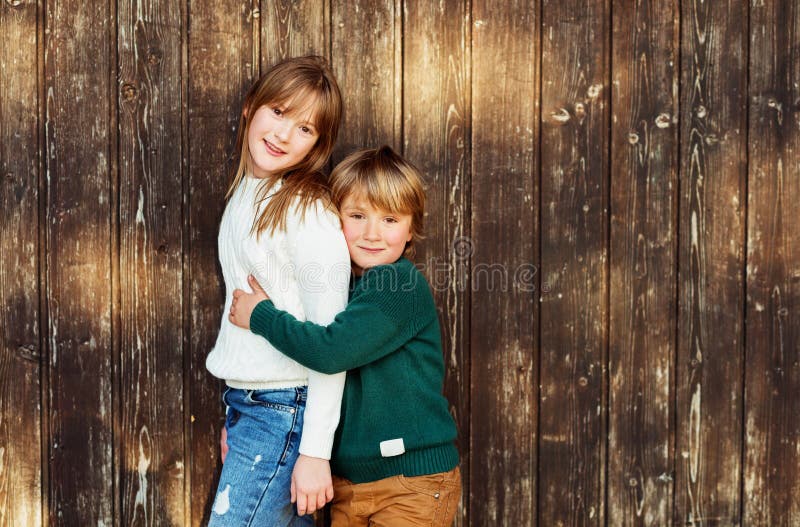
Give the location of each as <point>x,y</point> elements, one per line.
<point>283,130</point>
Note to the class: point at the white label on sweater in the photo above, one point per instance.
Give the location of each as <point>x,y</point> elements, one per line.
<point>392,447</point>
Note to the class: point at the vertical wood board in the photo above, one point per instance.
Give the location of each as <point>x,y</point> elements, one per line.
<point>504,240</point>
<point>150,223</point>
<point>711,259</point>
<point>20,350</point>
<point>643,257</point>
<point>772,370</point>
<point>80,149</point>
<point>574,216</point>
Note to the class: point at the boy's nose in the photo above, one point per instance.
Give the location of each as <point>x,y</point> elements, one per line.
<point>371,232</point>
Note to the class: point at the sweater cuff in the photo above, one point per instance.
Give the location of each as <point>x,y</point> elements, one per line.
<point>262,317</point>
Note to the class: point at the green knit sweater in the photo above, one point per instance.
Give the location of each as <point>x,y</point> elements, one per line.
<point>395,419</point>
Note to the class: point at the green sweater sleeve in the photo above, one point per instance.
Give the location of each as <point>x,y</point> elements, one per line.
<point>374,324</point>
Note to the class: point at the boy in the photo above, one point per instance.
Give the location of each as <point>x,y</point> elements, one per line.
<point>394,459</point>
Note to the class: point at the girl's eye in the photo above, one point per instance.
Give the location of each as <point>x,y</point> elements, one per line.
<point>306,130</point>
<point>277,111</point>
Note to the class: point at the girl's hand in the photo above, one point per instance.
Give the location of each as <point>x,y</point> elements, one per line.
<point>223,444</point>
<point>244,303</point>
<point>312,486</point>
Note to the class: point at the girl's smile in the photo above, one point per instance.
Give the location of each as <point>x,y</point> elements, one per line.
<point>272,149</point>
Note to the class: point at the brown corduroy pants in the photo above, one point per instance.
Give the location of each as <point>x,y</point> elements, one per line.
<point>397,501</point>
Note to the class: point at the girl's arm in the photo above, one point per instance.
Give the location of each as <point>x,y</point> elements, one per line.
<point>322,270</point>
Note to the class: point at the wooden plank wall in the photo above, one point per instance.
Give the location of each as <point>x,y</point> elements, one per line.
<point>611,239</point>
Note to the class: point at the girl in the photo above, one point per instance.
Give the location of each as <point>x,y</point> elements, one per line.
<point>278,226</point>
<point>394,458</point>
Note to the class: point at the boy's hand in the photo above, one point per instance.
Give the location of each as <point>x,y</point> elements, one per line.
<point>312,487</point>
<point>244,303</point>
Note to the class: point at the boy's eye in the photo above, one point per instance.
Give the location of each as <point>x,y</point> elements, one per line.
<point>356,216</point>
<point>391,220</point>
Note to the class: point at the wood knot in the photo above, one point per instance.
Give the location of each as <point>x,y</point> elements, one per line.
<point>633,138</point>
<point>662,121</point>
<point>580,110</point>
<point>594,90</point>
<point>560,116</point>
<point>14,3</point>
<point>29,353</point>
<point>129,92</point>
<point>701,111</point>
<point>154,57</point>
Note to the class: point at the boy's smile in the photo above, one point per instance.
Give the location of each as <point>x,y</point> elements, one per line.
<point>374,236</point>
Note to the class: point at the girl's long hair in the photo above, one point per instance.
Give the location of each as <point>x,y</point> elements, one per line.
<point>292,83</point>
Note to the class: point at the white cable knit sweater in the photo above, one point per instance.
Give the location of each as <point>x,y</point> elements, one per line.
<point>305,270</point>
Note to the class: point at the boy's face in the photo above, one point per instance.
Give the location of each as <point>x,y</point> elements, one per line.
<point>374,236</point>
<point>278,140</point>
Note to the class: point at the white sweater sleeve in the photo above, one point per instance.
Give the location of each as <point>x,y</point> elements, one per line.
<point>322,268</point>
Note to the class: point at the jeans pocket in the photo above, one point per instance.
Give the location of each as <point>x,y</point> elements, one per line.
<point>281,400</point>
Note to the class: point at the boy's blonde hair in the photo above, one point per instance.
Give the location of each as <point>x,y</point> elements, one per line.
<point>298,84</point>
<point>386,181</point>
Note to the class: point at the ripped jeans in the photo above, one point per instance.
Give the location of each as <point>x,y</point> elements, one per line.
<point>264,429</point>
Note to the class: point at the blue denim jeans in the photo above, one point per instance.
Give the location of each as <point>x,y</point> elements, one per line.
<point>264,429</point>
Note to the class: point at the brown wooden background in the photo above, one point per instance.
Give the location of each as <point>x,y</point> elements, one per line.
<point>613,236</point>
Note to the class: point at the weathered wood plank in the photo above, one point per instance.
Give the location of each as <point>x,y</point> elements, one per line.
<point>81,153</point>
<point>293,28</point>
<point>20,346</point>
<point>222,69</point>
<point>772,461</point>
<point>505,233</point>
<point>436,137</point>
<point>644,147</point>
<point>710,288</point>
<point>575,179</point>
<point>365,57</point>
<point>151,363</point>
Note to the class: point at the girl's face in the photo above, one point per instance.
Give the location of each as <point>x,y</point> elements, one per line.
<point>278,140</point>
<point>374,236</point>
